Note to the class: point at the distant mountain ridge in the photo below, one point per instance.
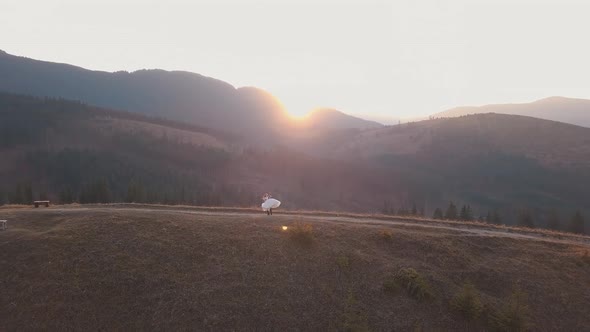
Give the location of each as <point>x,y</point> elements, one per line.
<point>176,95</point>
<point>568,110</point>
<point>328,118</point>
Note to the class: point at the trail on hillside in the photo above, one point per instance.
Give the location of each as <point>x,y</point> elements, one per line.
<point>463,229</point>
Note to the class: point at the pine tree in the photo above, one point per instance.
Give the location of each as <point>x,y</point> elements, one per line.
<point>66,195</point>
<point>469,213</point>
<point>135,192</point>
<point>553,221</point>
<point>496,219</point>
<point>464,214</point>
<point>102,192</point>
<point>525,219</point>
<point>414,209</point>
<point>438,214</point>
<point>17,197</point>
<point>489,219</point>
<point>28,194</point>
<point>577,223</point>
<point>385,208</point>
<point>451,212</point>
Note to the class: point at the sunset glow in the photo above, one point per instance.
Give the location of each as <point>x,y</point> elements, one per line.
<point>398,59</point>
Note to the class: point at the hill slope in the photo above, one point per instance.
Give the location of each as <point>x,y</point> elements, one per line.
<point>176,95</point>
<point>125,269</point>
<point>568,110</point>
<point>67,151</point>
<point>78,152</point>
<point>331,119</point>
<point>550,143</point>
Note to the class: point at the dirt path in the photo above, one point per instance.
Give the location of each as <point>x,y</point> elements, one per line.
<point>463,229</point>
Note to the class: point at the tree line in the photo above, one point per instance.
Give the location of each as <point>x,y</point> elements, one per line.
<point>524,218</point>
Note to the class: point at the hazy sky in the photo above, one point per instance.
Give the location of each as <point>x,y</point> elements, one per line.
<point>380,59</point>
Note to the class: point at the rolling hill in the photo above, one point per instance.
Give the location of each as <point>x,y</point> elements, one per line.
<point>68,151</point>
<point>161,268</point>
<point>331,119</point>
<point>181,96</point>
<point>567,110</point>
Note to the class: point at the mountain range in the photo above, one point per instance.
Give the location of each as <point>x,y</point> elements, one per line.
<point>71,134</point>
<point>176,95</point>
<point>567,110</point>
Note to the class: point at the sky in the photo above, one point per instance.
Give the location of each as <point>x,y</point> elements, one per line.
<point>377,59</point>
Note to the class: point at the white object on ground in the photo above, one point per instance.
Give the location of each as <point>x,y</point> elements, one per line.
<point>270,203</point>
<point>3,224</point>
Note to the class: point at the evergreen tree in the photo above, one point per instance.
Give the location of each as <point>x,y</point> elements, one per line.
<point>385,209</point>
<point>451,213</point>
<point>17,196</point>
<point>96,192</point>
<point>402,211</point>
<point>28,194</point>
<point>414,209</point>
<point>465,213</point>
<point>489,219</point>
<point>135,192</point>
<point>438,214</point>
<point>577,223</point>
<point>2,198</point>
<point>496,219</point>
<point>66,195</point>
<point>525,219</point>
<point>553,221</point>
<point>102,192</point>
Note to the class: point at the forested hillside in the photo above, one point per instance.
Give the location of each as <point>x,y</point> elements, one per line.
<point>250,112</point>
<point>485,165</point>
<point>72,152</point>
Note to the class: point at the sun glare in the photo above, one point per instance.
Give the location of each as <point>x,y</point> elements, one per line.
<point>296,117</point>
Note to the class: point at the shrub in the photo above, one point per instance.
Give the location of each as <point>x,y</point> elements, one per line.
<point>343,262</point>
<point>584,259</point>
<point>577,223</point>
<point>355,319</point>
<point>513,316</point>
<point>451,212</point>
<point>438,214</point>
<point>301,233</point>
<point>467,302</point>
<point>414,283</point>
<point>386,234</point>
<point>391,286</point>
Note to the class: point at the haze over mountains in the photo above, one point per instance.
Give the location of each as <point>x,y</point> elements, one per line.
<point>568,110</point>
<point>176,95</point>
<point>187,138</point>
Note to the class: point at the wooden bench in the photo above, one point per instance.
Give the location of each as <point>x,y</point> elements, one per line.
<point>3,224</point>
<point>37,203</point>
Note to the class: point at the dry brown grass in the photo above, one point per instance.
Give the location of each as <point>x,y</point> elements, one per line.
<point>386,234</point>
<point>424,220</point>
<point>120,269</point>
<point>301,233</point>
